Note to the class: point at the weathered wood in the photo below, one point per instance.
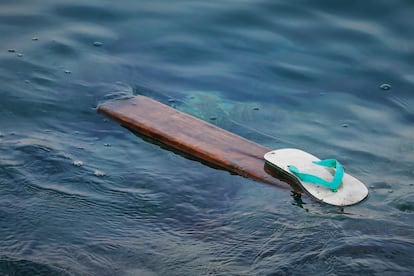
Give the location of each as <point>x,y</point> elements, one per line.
<point>192,136</point>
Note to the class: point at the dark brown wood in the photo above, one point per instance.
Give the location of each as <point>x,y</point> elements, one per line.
<point>192,136</point>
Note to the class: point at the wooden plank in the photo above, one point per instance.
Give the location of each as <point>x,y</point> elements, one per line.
<point>193,137</point>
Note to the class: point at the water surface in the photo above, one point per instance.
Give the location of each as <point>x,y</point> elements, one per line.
<point>79,195</point>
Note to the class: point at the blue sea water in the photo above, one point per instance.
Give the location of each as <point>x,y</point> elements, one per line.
<point>80,195</point>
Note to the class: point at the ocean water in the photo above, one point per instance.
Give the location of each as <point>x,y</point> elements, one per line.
<point>80,195</point>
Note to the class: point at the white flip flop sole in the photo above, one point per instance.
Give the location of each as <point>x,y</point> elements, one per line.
<point>350,192</point>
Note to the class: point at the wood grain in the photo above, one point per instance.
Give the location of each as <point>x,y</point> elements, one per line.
<point>193,137</point>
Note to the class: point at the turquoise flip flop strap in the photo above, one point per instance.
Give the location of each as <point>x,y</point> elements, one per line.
<point>329,163</point>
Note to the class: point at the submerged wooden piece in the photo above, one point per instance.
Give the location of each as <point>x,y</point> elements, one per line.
<point>192,136</point>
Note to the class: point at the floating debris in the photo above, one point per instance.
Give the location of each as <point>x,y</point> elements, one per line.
<point>256,108</point>
<point>97,44</point>
<point>35,38</point>
<point>67,72</point>
<point>213,118</point>
<point>345,125</point>
<point>107,145</point>
<point>78,163</point>
<point>11,50</point>
<point>20,55</point>
<point>385,86</point>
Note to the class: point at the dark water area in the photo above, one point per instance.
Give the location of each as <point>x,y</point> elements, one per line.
<point>80,195</point>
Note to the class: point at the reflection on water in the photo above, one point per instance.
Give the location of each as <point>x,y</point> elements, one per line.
<point>80,195</point>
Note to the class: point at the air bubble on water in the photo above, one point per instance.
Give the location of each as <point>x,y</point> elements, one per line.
<point>98,173</point>
<point>97,44</point>
<point>78,163</point>
<point>20,55</point>
<point>385,86</point>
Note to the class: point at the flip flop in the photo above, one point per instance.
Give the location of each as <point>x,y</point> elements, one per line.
<point>324,180</point>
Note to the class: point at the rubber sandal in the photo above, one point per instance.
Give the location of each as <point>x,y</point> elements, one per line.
<point>324,180</point>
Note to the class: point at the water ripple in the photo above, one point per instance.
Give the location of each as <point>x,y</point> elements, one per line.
<point>279,73</point>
